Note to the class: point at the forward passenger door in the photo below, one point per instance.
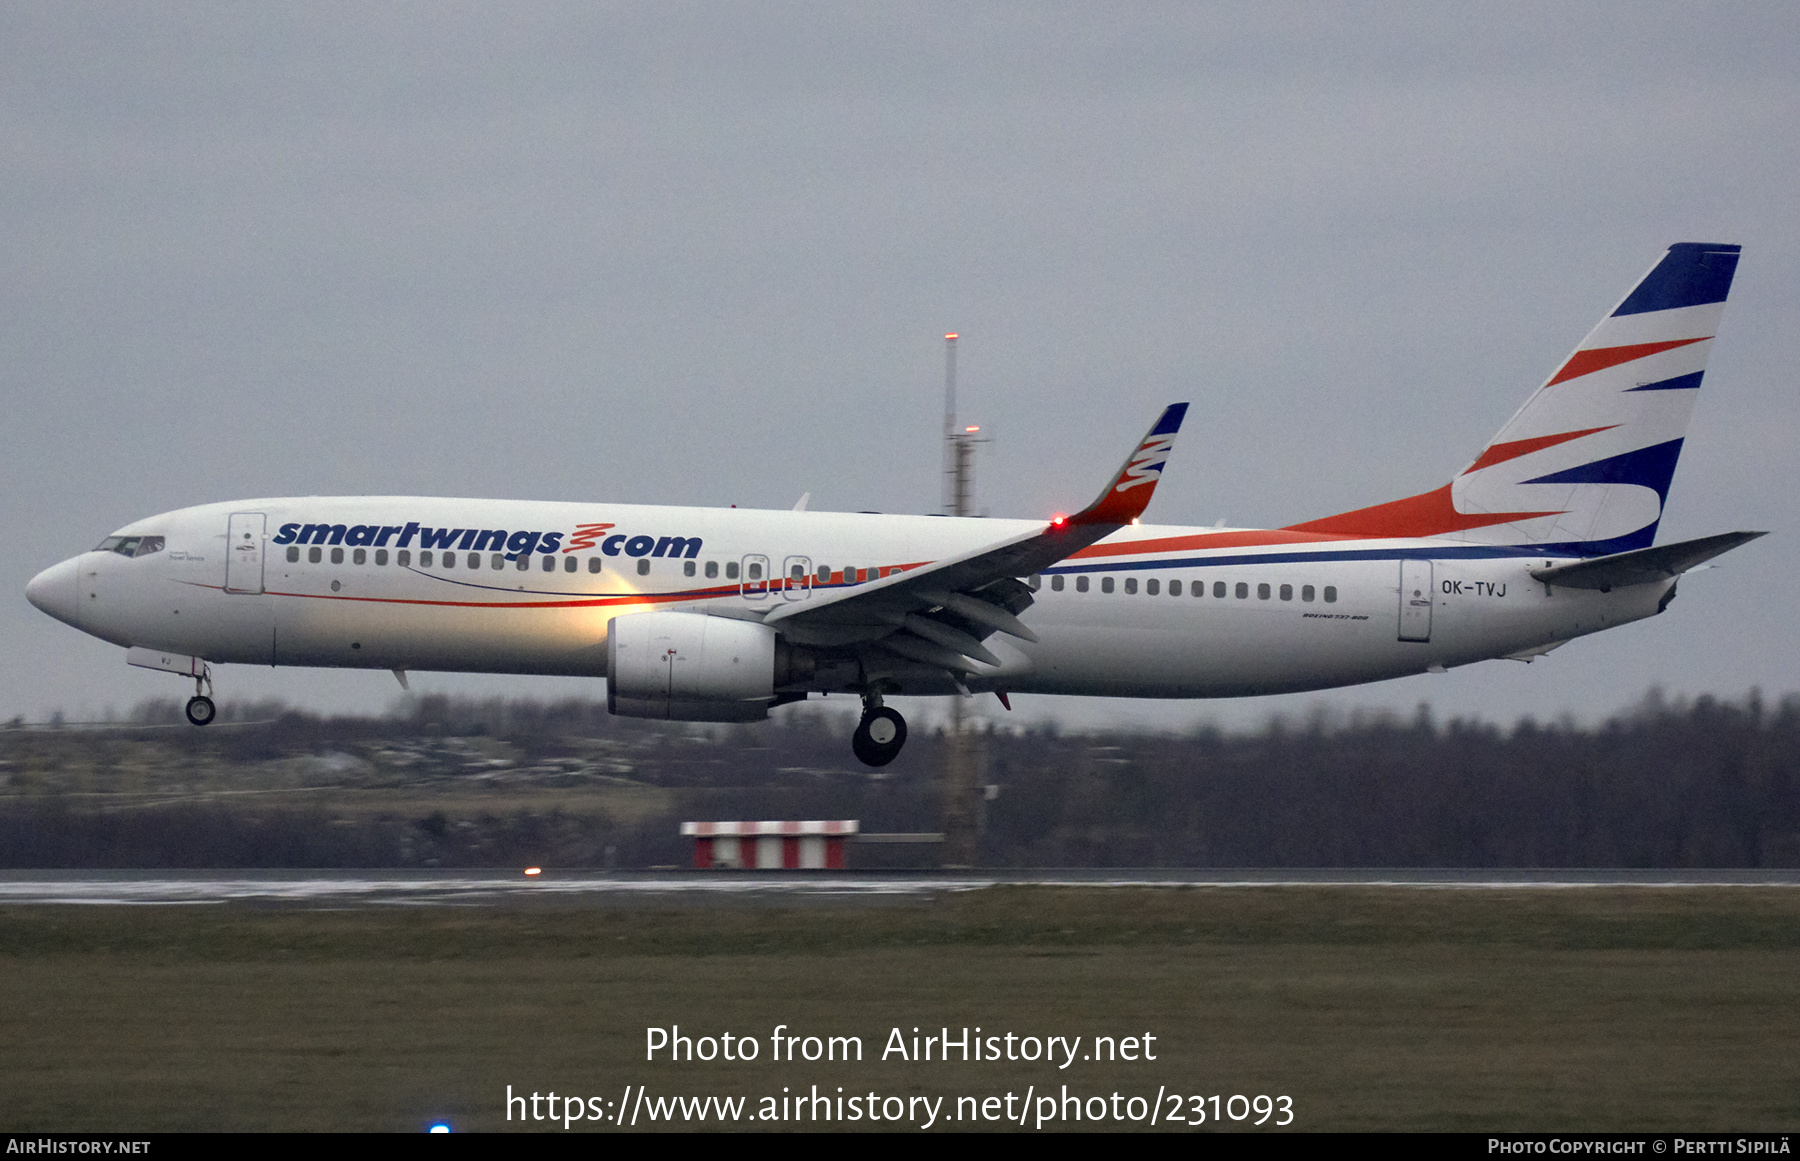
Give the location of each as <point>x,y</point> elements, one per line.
<point>244,552</point>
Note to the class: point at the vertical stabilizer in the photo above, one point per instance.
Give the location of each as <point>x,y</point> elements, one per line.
<point>1584,467</point>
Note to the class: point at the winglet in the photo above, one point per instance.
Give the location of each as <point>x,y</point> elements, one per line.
<point>1126,497</point>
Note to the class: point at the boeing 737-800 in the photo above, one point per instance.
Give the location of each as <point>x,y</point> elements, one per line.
<point>698,614</point>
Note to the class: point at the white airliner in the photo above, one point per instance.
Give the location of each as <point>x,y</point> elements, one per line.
<point>703,614</point>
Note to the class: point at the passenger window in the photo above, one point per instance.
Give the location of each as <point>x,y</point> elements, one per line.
<point>1106,584</point>
<point>549,564</point>
<point>1081,584</point>
<point>1174,588</point>
<point>403,558</point>
<point>522,562</point>
<point>1036,582</point>
<point>1218,588</point>
<point>497,561</point>
<point>594,564</point>
<point>687,568</point>
<point>1131,584</point>
<point>712,570</point>
<point>1330,594</point>
<point>643,566</point>
<point>1243,591</point>
<point>1056,584</point>
<point>1306,592</point>
<point>1262,592</point>
<point>360,556</point>
<point>315,554</point>
<point>1287,592</point>
<point>424,560</point>
<point>449,560</point>
<point>381,558</point>
<point>823,576</point>
<point>798,572</point>
<point>754,572</point>
<point>731,570</point>
<point>293,554</point>
<point>570,563</point>
<point>1151,587</point>
<point>337,556</point>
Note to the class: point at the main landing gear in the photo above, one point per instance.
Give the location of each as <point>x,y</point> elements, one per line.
<point>879,735</point>
<point>200,708</point>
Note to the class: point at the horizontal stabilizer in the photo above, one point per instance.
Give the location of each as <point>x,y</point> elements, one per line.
<point>1644,565</point>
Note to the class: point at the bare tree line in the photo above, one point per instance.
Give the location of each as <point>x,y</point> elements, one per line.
<point>1701,783</point>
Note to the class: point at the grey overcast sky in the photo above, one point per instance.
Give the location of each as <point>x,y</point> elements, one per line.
<point>705,254</point>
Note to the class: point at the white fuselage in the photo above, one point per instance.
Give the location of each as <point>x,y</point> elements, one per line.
<point>1137,615</point>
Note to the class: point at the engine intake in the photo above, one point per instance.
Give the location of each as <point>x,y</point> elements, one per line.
<point>689,667</point>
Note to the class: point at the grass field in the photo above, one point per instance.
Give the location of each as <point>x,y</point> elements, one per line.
<point>1631,1008</point>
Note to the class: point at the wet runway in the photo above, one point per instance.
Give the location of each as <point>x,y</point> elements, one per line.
<point>352,889</point>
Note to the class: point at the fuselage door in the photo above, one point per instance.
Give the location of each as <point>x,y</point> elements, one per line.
<point>244,553</point>
<point>1415,600</point>
<point>796,578</point>
<point>754,581</point>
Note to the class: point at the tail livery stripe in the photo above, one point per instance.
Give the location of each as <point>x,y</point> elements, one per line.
<point>1649,467</point>
<point>1690,274</point>
<point>1678,383</point>
<point>1499,453</point>
<point>1600,358</point>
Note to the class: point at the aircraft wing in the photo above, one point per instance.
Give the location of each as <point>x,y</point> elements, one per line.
<point>938,613</point>
<point>1643,565</point>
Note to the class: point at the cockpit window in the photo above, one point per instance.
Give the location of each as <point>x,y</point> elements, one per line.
<point>131,545</point>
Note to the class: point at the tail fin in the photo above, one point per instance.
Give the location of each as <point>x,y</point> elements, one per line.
<point>1583,469</point>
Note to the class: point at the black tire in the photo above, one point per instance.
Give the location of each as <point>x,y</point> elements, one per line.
<point>201,711</point>
<point>878,737</point>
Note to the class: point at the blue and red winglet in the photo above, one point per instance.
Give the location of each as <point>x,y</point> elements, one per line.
<point>1126,497</point>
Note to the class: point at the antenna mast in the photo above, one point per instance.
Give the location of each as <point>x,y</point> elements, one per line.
<point>959,444</point>
<point>952,456</point>
<point>962,762</point>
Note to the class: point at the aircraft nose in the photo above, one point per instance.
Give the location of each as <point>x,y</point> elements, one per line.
<point>54,591</point>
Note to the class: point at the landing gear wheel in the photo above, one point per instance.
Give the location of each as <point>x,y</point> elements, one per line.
<point>878,737</point>
<point>200,710</point>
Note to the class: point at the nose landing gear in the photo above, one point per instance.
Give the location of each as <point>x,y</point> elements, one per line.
<point>200,708</point>
<point>879,735</point>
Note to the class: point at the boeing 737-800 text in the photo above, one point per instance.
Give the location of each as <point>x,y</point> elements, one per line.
<point>700,614</point>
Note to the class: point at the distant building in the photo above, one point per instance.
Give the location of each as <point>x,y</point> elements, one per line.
<point>770,846</point>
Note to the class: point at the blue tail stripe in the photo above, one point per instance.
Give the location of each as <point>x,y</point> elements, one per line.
<point>1647,467</point>
<point>1690,274</point>
<point>1678,383</point>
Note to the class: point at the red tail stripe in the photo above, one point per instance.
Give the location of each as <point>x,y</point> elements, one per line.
<point>1429,514</point>
<point>1600,358</point>
<point>1499,453</point>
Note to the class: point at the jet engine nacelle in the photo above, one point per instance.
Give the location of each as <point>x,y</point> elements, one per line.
<point>689,667</point>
